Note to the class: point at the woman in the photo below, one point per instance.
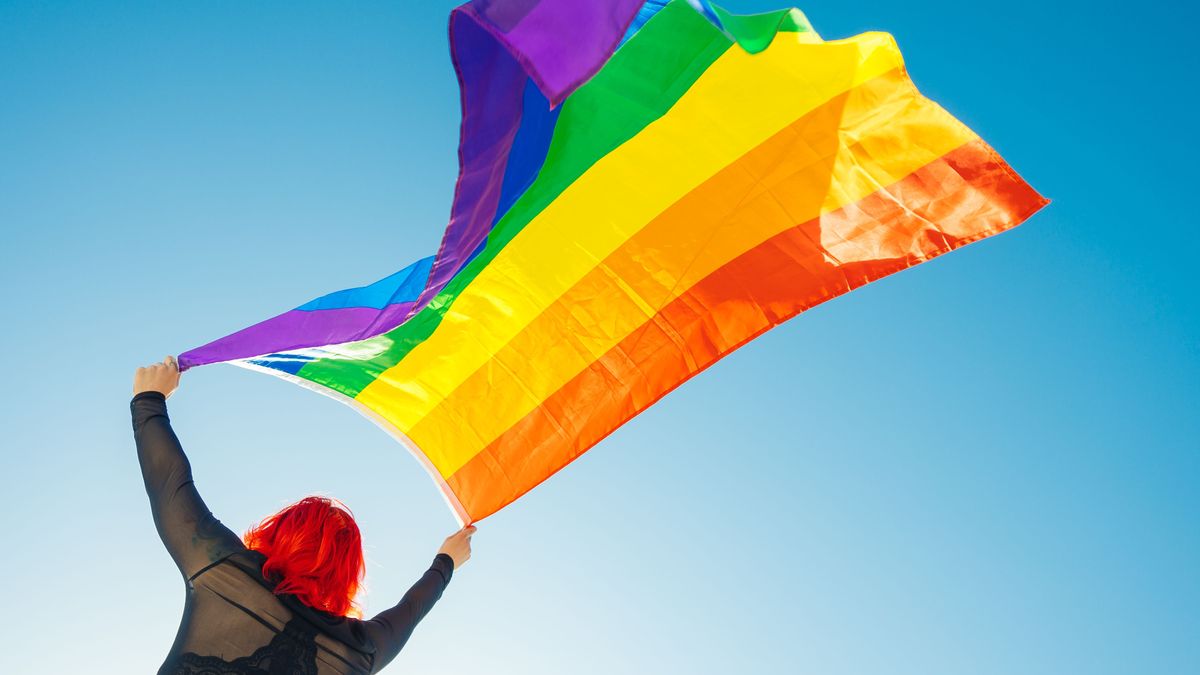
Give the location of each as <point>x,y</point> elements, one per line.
<point>277,602</point>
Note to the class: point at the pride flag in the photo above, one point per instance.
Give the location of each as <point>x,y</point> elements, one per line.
<point>644,187</point>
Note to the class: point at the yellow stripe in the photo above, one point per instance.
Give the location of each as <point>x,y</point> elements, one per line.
<point>854,140</point>
<point>608,204</point>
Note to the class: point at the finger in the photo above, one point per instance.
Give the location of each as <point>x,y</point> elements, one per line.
<point>469,530</point>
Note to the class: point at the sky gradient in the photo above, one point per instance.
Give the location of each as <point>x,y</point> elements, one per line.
<point>988,464</point>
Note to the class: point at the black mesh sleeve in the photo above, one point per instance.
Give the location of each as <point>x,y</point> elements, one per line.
<point>193,537</point>
<point>391,628</point>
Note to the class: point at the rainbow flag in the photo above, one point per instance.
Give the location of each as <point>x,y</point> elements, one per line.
<point>644,187</point>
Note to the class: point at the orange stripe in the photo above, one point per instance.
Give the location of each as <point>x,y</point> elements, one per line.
<point>836,154</point>
<point>970,191</point>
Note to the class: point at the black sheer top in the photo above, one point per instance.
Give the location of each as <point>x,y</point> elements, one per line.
<point>232,621</point>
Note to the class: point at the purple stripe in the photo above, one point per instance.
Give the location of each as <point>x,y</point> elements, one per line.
<point>561,43</point>
<point>496,45</point>
<point>297,329</point>
<point>504,14</point>
<point>492,87</point>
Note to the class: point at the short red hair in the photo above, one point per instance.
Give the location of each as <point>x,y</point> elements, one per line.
<point>314,551</point>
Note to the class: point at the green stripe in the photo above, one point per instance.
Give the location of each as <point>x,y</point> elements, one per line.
<point>754,32</point>
<point>638,85</point>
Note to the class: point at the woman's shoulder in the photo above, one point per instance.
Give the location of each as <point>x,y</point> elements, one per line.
<point>251,563</point>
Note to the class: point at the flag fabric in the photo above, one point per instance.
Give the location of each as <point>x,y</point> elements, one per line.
<point>644,187</point>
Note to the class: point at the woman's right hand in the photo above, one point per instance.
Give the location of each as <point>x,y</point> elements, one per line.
<point>162,377</point>
<point>458,546</point>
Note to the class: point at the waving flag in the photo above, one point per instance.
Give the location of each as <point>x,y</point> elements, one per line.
<point>644,187</point>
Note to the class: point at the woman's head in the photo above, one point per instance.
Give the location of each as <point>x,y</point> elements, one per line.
<point>314,550</point>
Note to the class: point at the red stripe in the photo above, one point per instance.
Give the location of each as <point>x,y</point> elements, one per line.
<point>970,191</point>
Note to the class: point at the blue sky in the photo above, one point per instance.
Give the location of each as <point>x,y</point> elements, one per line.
<point>987,464</point>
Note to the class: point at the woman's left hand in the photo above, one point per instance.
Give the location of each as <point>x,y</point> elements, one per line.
<point>458,546</point>
<point>161,377</point>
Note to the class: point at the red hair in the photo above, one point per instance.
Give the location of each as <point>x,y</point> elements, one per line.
<point>314,551</point>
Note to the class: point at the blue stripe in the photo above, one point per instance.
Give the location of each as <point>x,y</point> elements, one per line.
<point>529,147</point>
<point>403,286</point>
<point>286,362</point>
<point>525,159</point>
<point>648,10</point>
<point>706,8</point>
<point>652,7</point>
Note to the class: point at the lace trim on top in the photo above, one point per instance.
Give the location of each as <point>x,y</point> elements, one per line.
<point>291,652</point>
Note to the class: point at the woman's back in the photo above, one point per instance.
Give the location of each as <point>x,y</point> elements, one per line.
<point>233,621</point>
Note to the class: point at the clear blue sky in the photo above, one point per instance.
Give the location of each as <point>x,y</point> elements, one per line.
<point>988,464</point>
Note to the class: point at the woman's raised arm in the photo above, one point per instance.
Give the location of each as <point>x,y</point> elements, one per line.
<point>390,629</point>
<point>194,538</point>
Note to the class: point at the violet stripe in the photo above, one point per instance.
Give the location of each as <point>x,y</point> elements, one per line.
<point>492,87</point>
<point>495,45</point>
<point>297,329</point>
<point>561,43</point>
